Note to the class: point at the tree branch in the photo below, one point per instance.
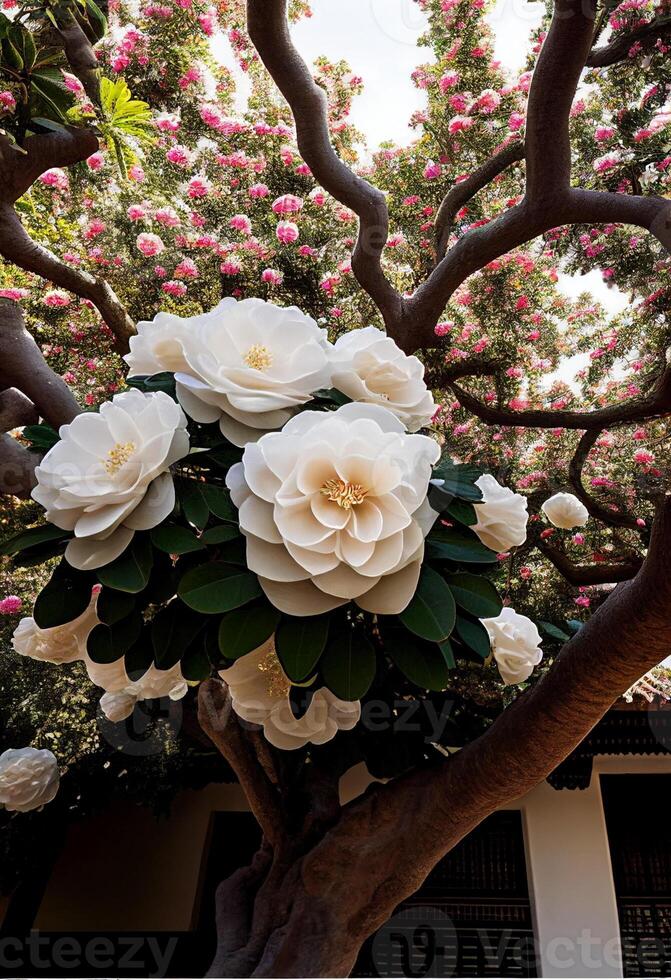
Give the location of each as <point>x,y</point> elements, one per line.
<point>80,54</point>
<point>269,32</point>
<point>596,509</point>
<point>602,574</point>
<point>219,721</point>
<point>618,49</point>
<point>457,196</point>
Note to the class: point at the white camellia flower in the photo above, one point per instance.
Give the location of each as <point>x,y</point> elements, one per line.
<point>29,778</point>
<point>108,477</point>
<point>333,509</point>
<point>502,515</point>
<point>370,367</point>
<point>67,644</point>
<point>260,694</point>
<point>246,365</point>
<point>515,644</point>
<point>566,511</point>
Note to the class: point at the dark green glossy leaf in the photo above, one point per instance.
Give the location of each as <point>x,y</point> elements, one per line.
<point>475,594</point>
<point>173,630</point>
<point>447,651</point>
<point>113,606</point>
<point>190,494</point>
<point>164,381</point>
<point>42,534</point>
<point>219,502</point>
<point>431,611</point>
<point>41,436</point>
<point>300,642</point>
<point>463,512</point>
<point>130,571</point>
<point>474,635</point>
<point>421,662</point>
<point>195,665</point>
<point>217,587</point>
<point>175,540</point>
<point>65,597</point>
<point>219,534</point>
<point>553,631</point>
<point>348,666</point>
<point>457,544</point>
<point>459,479</point>
<point>244,630</point>
<point>106,644</point>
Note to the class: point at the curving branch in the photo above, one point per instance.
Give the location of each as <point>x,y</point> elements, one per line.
<point>595,508</point>
<point>462,192</point>
<point>231,737</point>
<point>601,574</point>
<point>269,32</point>
<point>80,54</point>
<point>656,404</point>
<point>618,49</point>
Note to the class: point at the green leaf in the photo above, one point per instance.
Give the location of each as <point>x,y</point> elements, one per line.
<point>244,630</point>
<point>300,642</point>
<point>41,534</point>
<point>52,126</point>
<point>447,651</point>
<point>107,644</point>
<point>431,612</point>
<point>175,540</point>
<point>452,544</point>
<point>219,502</point>
<point>113,606</point>
<point>65,597</point>
<point>422,663</point>
<point>574,625</point>
<point>131,570</point>
<point>474,636</point>
<point>172,632</point>
<point>191,496</point>
<point>41,436</point>
<point>163,381</point>
<point>348,666</point>
<point>463,512</point>
<point>217,587</point>
<point>195,665</point>
<point>97,19</point>
<point>475,594</point>
<point>553,631</point>
<point>219,534</point>
<point>459,479</point>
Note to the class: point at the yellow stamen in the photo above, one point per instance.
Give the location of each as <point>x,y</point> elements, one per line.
<point>345,495</point>
<point>118,455</point>
<point>258,357</point>
<point>277,684</point>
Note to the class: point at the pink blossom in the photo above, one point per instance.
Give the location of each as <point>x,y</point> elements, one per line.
<point>522,303</point>
<point>607,162</point>
<point>14,293</point>
<point>240,222</point>
<point>583,601</point>
<point>488,101</point>
<point>136,212</point>
<point>136,173</point>
<point>56,297</point>
<point>441,329</point>
<point>7,102</point>
<point>174,288</point>
<point>96,161</point>
<point>287,232</point>
<point>515,121</point>
<point>459,123</point>
<point>149,244</point>
<point>55,178</point>
<point>199,187</point>
<point>318,197</point>
<point>120,62</point>
<point>272,277</point>
<point>179,155</point>
<point>432,170</point>
<point>644,457</point>
<point>167,122</point>
<point>231,267</point>
<point>72,83</point>
<point>207,23</point>
<point>287,204</point>
<point>578,538</point>
<point>187,269</point>
<point>167,217</point>
<point>308,252</point>
<point>448,80</point>
<point>10,605</point>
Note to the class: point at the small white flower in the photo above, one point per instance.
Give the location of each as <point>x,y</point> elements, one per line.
<point>29,778</point>
<point>260,694</point>
<point>566,511</point>
<point>332,508</point>
<point>67,644</point>
<point>370,367</point>
<point>108,476</point>
<point>502,516</point>
<point>515,645</point>
<point>247,365</point>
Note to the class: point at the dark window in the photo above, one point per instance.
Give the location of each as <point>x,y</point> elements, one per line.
<point>639,834</point>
